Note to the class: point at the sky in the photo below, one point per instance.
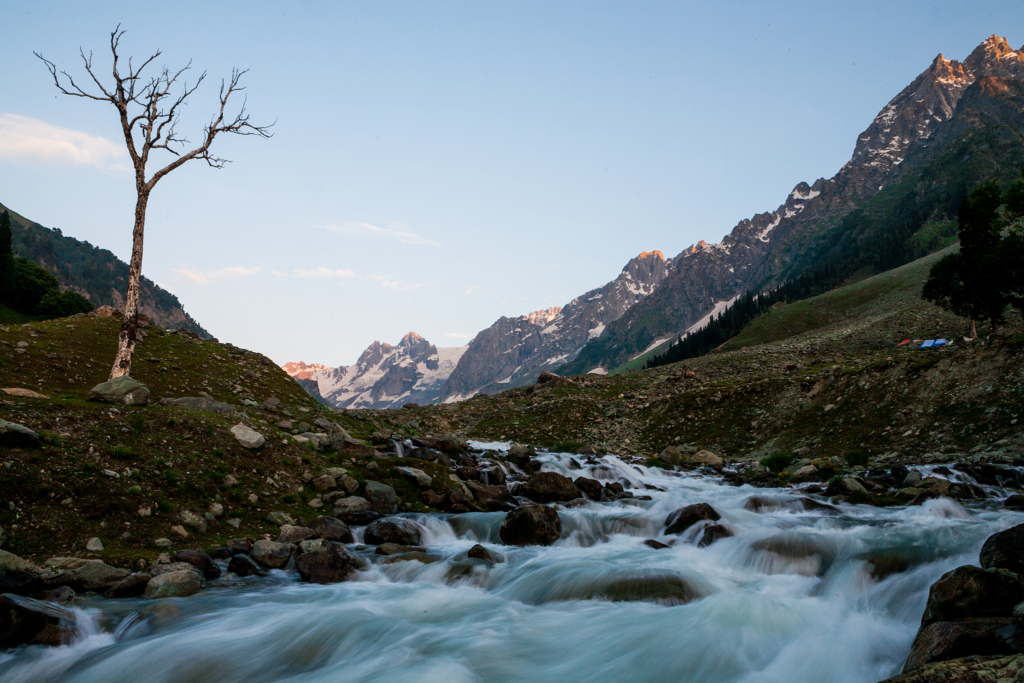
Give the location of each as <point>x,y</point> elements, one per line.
<point>437,165</point>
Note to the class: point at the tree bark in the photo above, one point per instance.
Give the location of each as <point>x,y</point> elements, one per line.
<point>130,321</point>
<point>974,330</point>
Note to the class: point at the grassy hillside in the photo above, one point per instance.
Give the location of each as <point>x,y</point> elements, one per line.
<point>93,272</point>
<point>858,303</point>
<point>167,459</point>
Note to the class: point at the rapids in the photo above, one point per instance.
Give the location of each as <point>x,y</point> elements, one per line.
<point>817,596</point>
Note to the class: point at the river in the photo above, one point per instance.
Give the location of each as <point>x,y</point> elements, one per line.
<point>794,596</point>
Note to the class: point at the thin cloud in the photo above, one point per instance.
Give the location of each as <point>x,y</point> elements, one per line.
<point>457,335</point>
<point>395,232</point>
<point>201,279</point>
<point>320,272</point>
<point>398,285</point>
<point>472,289</point>
<point>25,140</point>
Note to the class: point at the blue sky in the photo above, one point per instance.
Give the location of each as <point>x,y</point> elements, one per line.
<point>438,165</point>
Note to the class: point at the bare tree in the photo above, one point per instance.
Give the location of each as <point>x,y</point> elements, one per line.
<point>149,115</point>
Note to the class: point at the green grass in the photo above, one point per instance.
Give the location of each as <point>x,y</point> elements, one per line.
<point>873,295</point>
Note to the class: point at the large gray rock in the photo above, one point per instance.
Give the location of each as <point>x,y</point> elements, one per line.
<point>131,586</point>
<point>242,565</point>
<point>418,476</point>
<point>14,435</point>
<point>200,403</point>
<point>491,496</point>
<point>247,437</point>
<point>328,563</point>
<point>159,568</point>
<point>18,575</point>
<point>973,593</point>
<point>94,577</point>
<point>331,529</point>
<point>382,496</point>
<point>24,621</point>
<point>292,534</point>
<point>550,487</point>
<point>201,560</point>
<point>179,584</point>
<point>125,389</point>
<point>1004,550</point>
<point>271,554</point>
<point>392,530</point>
<point>531,524</point>
<point>944,640</point>
<point>973,669</point>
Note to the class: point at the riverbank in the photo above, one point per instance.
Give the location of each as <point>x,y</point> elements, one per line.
<point>784,591</point>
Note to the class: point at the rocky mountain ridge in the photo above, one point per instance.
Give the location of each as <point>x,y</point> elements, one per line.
<point>384,376</point>
<point>904,139</point>
<point>513,351</point>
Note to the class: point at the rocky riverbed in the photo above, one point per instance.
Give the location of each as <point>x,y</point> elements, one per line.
<point>599,570</point>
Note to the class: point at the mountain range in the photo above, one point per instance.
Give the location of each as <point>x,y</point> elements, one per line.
<point>958,124</point>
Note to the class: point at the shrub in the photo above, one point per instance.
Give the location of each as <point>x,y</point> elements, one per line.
<point>137,423</point>
<point>777,462</point>
<point>31,283</point>
<point>122,453</point>
<point>57,304</point>
<point>289,498</point>
<point>857,459</point>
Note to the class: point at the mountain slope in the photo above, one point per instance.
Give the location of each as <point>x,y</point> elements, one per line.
<point>514,351</point>
<point>384,376</point>
<point>957,124</point>
<point>94,273</point>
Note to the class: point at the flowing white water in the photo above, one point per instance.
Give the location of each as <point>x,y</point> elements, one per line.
<point>790,597</point>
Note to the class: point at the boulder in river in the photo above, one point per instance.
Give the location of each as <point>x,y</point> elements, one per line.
<point>531,524</point>
<point>591,488</point>
<point>131,586</point>
<point>271,553</point>
<point>14,435</point>
<point>24,621</point>
<point>944,640</point>
<point>331,529</point>
<point>549,487</point>
<point>330,564</point>
<point>973,669</point>
<point>94,577</point>
<point>685,517</point>
<point>973,593</point>
<point>1004,550</point>
<point>392,530</point>
<point>242,565</point>
<point>124,389</point>
<point>712,533</point>
<point>491,496</point>
<point>707,459</point>
<point>201,560</point>
<point>179,584</point>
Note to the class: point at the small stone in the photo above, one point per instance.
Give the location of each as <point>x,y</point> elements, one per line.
<point>179,531</point>
<point>253,498</point>
<point>242,565</point>
<point>229,480</point>
<point>422,479</point>
<point>280,518</point>
<point>177,584</point>
<point>235,522</point>
<point>271,554</point>
<point>13,435</point>
<point>216,509</point>
<point>162,543</point>
<point>94,545</point>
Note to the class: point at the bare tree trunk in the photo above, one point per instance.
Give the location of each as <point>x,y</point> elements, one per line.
<point>974,330</point>
<point>130,321</point>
